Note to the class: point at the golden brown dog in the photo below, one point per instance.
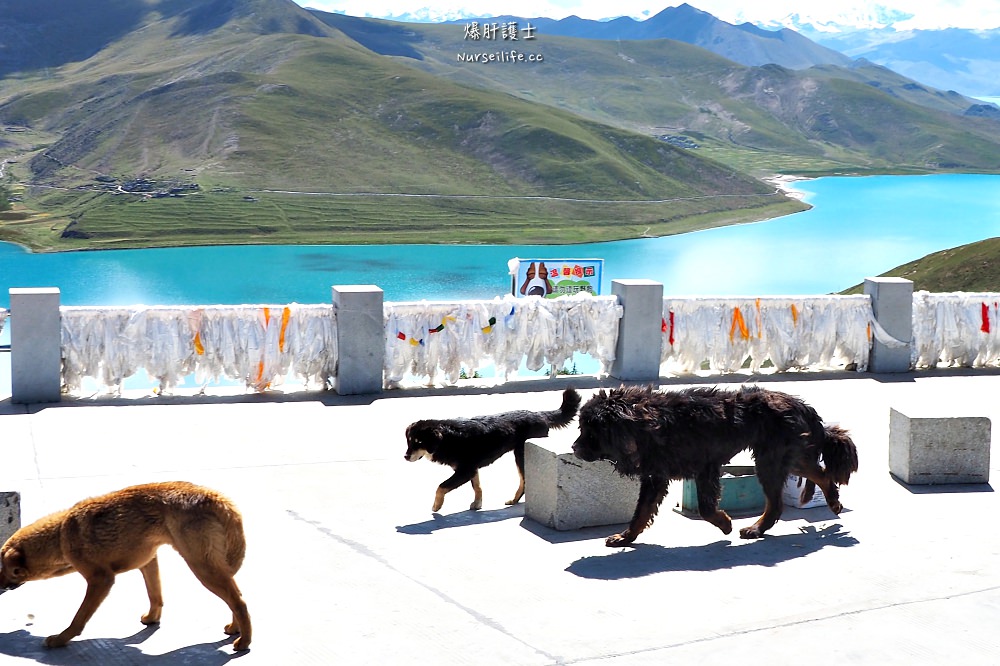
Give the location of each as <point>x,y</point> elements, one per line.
<point>103,536</point>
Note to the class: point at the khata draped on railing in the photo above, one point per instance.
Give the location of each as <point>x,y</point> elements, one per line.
<point>258,345</point>
<point>727,333</point>
<point>435,340</point>
<point>956,329</point>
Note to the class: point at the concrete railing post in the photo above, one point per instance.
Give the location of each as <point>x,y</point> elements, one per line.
<point>892,305</point>
<point>360,339</point>
<point>10,513</point>
<point>35,345</point>
<point>637,353</point>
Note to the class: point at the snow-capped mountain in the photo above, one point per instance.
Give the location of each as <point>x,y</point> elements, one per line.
<point>845,20</point>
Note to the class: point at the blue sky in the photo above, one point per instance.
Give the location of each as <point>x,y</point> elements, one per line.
<point>902,14</point>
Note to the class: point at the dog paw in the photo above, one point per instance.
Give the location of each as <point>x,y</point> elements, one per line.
<point>149,619</point>
<point>476,506</point>
<point>722,521</point>
<point>239,644</point>
<point>56,641</point>
<point>231,629</point>
<point>751,533</point>
<point>618,540</point>
<point>836,507</point>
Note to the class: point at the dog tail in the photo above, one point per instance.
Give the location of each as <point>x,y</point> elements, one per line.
<point>562,417</point>
<point>840,456</point>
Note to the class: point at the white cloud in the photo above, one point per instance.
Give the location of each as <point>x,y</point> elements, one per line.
<point>904,14</point>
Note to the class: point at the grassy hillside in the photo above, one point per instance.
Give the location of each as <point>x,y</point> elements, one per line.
<point>40,35</point>
<point>863,119</point>
<point>204,128</point>
<point>973,267</point>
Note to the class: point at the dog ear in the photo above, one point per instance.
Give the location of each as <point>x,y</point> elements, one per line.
<point>634,457</point>
<point>628,461</point>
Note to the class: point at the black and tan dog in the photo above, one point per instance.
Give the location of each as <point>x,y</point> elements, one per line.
<point>466,445</point>
<point>657,437</point>
<point>103,536</point>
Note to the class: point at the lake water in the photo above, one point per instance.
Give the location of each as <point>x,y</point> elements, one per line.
<point>858,227</point>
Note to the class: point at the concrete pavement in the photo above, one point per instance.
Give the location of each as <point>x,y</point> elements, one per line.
<point>347,564</point>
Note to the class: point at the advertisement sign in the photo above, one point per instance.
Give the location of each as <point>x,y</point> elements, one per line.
<point>551,278</point>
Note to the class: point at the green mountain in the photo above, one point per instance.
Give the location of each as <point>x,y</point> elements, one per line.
<point>972,267</point>
<point>824,119</point>
<point>185,122</point>
<point>168,122</point>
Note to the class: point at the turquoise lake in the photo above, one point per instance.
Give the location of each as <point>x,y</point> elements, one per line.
<point>858,227</point>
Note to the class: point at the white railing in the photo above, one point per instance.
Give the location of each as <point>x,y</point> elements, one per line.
<point>441,340</point>
<point>3,318</point>
<point>726,334</point>
<point>264,346</point>
<point>258,345</point>
<point>956,329</point>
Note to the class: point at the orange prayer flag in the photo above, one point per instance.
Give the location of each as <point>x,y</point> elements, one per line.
<point>285,315</point>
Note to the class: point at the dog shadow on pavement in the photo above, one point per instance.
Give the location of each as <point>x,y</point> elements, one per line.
<point>462,519</point>
<point>26,645</point>
<point>642,559</point>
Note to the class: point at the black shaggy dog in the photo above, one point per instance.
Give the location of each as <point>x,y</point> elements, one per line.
<point>468,444</point>
<point>660,436</point>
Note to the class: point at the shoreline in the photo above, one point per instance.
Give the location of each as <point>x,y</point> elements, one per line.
<point>782,183</point>
<point>688,264</point>
<point>734,216</point>
<point>785,183</point>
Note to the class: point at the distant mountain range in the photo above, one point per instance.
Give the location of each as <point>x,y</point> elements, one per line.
<point>825,117</point>
<point>746,44</point>
<point>949,59</point>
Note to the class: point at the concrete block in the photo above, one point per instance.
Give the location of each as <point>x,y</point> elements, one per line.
<point>565,493</point>
<point>10,514</point>
<point>892,305</point>
<point>360,339</point>
<point>637,352</point>
<point>741,492</point>
<point>35,345</point>
<point>937,447</point>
